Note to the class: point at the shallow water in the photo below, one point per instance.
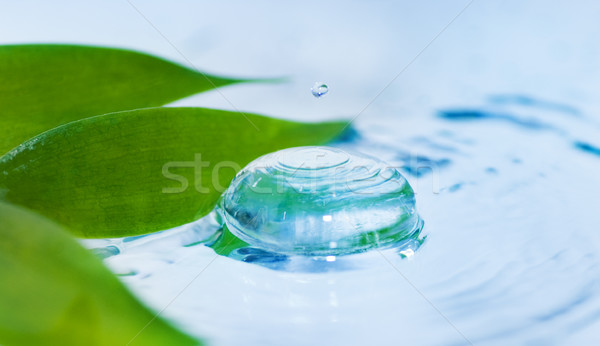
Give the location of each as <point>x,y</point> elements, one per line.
<point>511,255</point>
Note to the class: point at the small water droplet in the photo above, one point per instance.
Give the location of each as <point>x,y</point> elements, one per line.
<point>319,89</point>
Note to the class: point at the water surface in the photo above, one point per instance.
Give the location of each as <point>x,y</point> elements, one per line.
<point>511,255</point>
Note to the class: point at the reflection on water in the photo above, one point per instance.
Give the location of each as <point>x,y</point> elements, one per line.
<point>528,101</point>
<point>587,148</point>
<point>509,192</point>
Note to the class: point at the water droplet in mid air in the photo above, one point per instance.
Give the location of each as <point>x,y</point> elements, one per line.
<point>320,201</point>
<point>319,89</point>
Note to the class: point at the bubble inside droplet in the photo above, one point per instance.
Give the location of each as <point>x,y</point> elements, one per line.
<point>319,201</point>
<point>319,89</point>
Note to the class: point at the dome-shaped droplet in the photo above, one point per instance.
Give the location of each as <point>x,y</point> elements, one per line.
<point>319,89</point>
<point>319,201</point>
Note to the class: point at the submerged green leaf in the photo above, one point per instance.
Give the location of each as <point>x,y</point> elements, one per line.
<point>227,242</point>
<point>54,292</point>
<point>141,171</point>
<point>43,86</point>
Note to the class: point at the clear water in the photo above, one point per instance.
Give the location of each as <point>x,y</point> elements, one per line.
<point>496,125</point>
<point>319,89</point>
<point>511,255</point>
<point>319,201</point>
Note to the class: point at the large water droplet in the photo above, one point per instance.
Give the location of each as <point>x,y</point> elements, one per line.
<point>319,201</point>
<point>319,89</point>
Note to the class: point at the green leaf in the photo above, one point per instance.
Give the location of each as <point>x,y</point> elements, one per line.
<point>141,171</point>
<point>227,242</point>
<point>54,292</point>
<point>43,86</point>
